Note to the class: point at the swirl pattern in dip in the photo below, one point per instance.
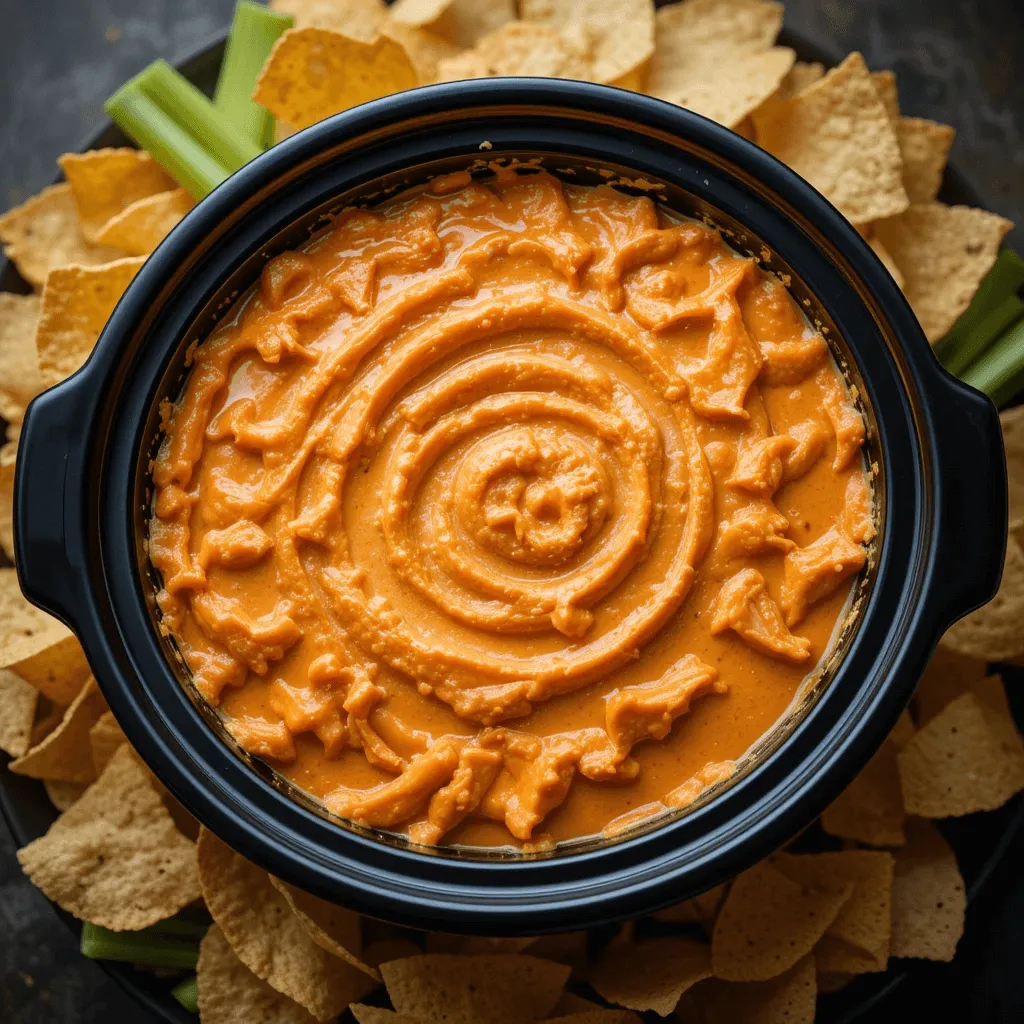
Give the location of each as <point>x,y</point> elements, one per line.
<point>508,511</point>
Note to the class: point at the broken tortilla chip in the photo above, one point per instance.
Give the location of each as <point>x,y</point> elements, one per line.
<point>890,264</point>
<point>885,85</point>
<point>618,33</point>
<point>1012,421</point>
<point>65,753</point>
<point>268,938</point>
<point>44,233</point>
<point>788,999</point>
<point>106,181</point>
<point>928,896</point>
<point>924,146</point>
<point>331,927</point>
<point>864,922</point>
<point>768,923</point>
<point>58,671</point>
<point>993,632</point>
<point>837,135</point>
<point>968,758</point>
<point>700,909</point>
<point>229,993</point>
<point>943,252</point>
<point>105,737</point>
<point>336,72</point>
<point>17,712</point>
<point>20,381</point>
<point>77,303</point>
<point>441,987</point>
<point>115,857</point>
<point>462,23</point>
<point>717,58</point>
<point>140,227</point>
<point>947,676</point>
<point>651,974</point>
<point>8,457</point>
<point>425,50</point>
<point>64,794</point>
<point>519,48</point>
<point>358,19</point>
<point>870,810</point>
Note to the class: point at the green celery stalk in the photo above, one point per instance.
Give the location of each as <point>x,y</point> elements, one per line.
<point>187,993</point>
<point>1004,279</point>
<point>1000,371</point>
<point>178,97</point>
<point>144,948</point>
<point>254,31</point>
<point>184,159</point>
<point>979,339</point>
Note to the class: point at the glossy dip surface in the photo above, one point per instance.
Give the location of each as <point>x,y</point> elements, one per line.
<point>509,511</point>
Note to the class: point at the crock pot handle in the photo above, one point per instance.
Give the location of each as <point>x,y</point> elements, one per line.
<point>48,450</point>
<point>973,513</point>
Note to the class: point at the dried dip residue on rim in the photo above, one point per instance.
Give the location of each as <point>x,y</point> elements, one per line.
<point>508,511</point>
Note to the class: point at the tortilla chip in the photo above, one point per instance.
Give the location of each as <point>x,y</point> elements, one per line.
<point>768,923</point>
<point>947,676</point>
<point>58,671</point>
<point>520,48</point>
<point>65,753</point>
<point>620,33</point>
<point>715,57</point>
<point>569,948</point>
<point>569,1003</point>
<point>474,945</point>
<point>268,938</point>
<point>64,794</point>
<point>8,456</point>
<point>944,252</point>
<point>700,909</point>
<point>924,146</point>
<point>77,302</point>
<point>801,75</point>
<point>425,49</point>
<point>1012,421</point>
<point>47,719</point>
<point>44,233</point>
<point>837,135</point>
<point>358,19</point>
<point>335,71</point>
<point>106,181</point>
<point>928,896</point>
<point>651,974</point>
<point>139,228</point>
<point>115,858</point>
<point>462,23</point>
<point>833,981</point>
<point>438,987</point>
<point>229,993</point>
<point>383,950</point>
<point>20,381</point>
<point>787,999</point>
<point>864,922</point>
<point>17,712</point>
<point>885,256</point>
<point>331,927</point>
<point>968,758</point>
<point>870,810</point>
<point>885,85</point>
<point>903,730</point>
<point>105,737</point>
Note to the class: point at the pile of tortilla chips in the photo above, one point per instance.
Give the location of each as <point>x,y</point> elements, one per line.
<point>125,854</point>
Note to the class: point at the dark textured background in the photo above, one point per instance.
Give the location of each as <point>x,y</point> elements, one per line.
<point>958,61</point>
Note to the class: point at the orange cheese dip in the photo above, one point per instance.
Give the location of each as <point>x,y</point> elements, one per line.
<point>509,511</point>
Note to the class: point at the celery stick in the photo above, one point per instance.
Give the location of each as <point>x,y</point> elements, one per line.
<point>177,927</point>
<point>180,99</point>
<point>187,993</point>
<point>254,31</point>
<point>1005,278</point>
<point>185,159</point>
<point>144,948</point>
<point>978,339</point>
<point>1000,371</point>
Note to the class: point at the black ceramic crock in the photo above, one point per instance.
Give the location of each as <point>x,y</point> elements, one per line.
<point>81,498</point>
